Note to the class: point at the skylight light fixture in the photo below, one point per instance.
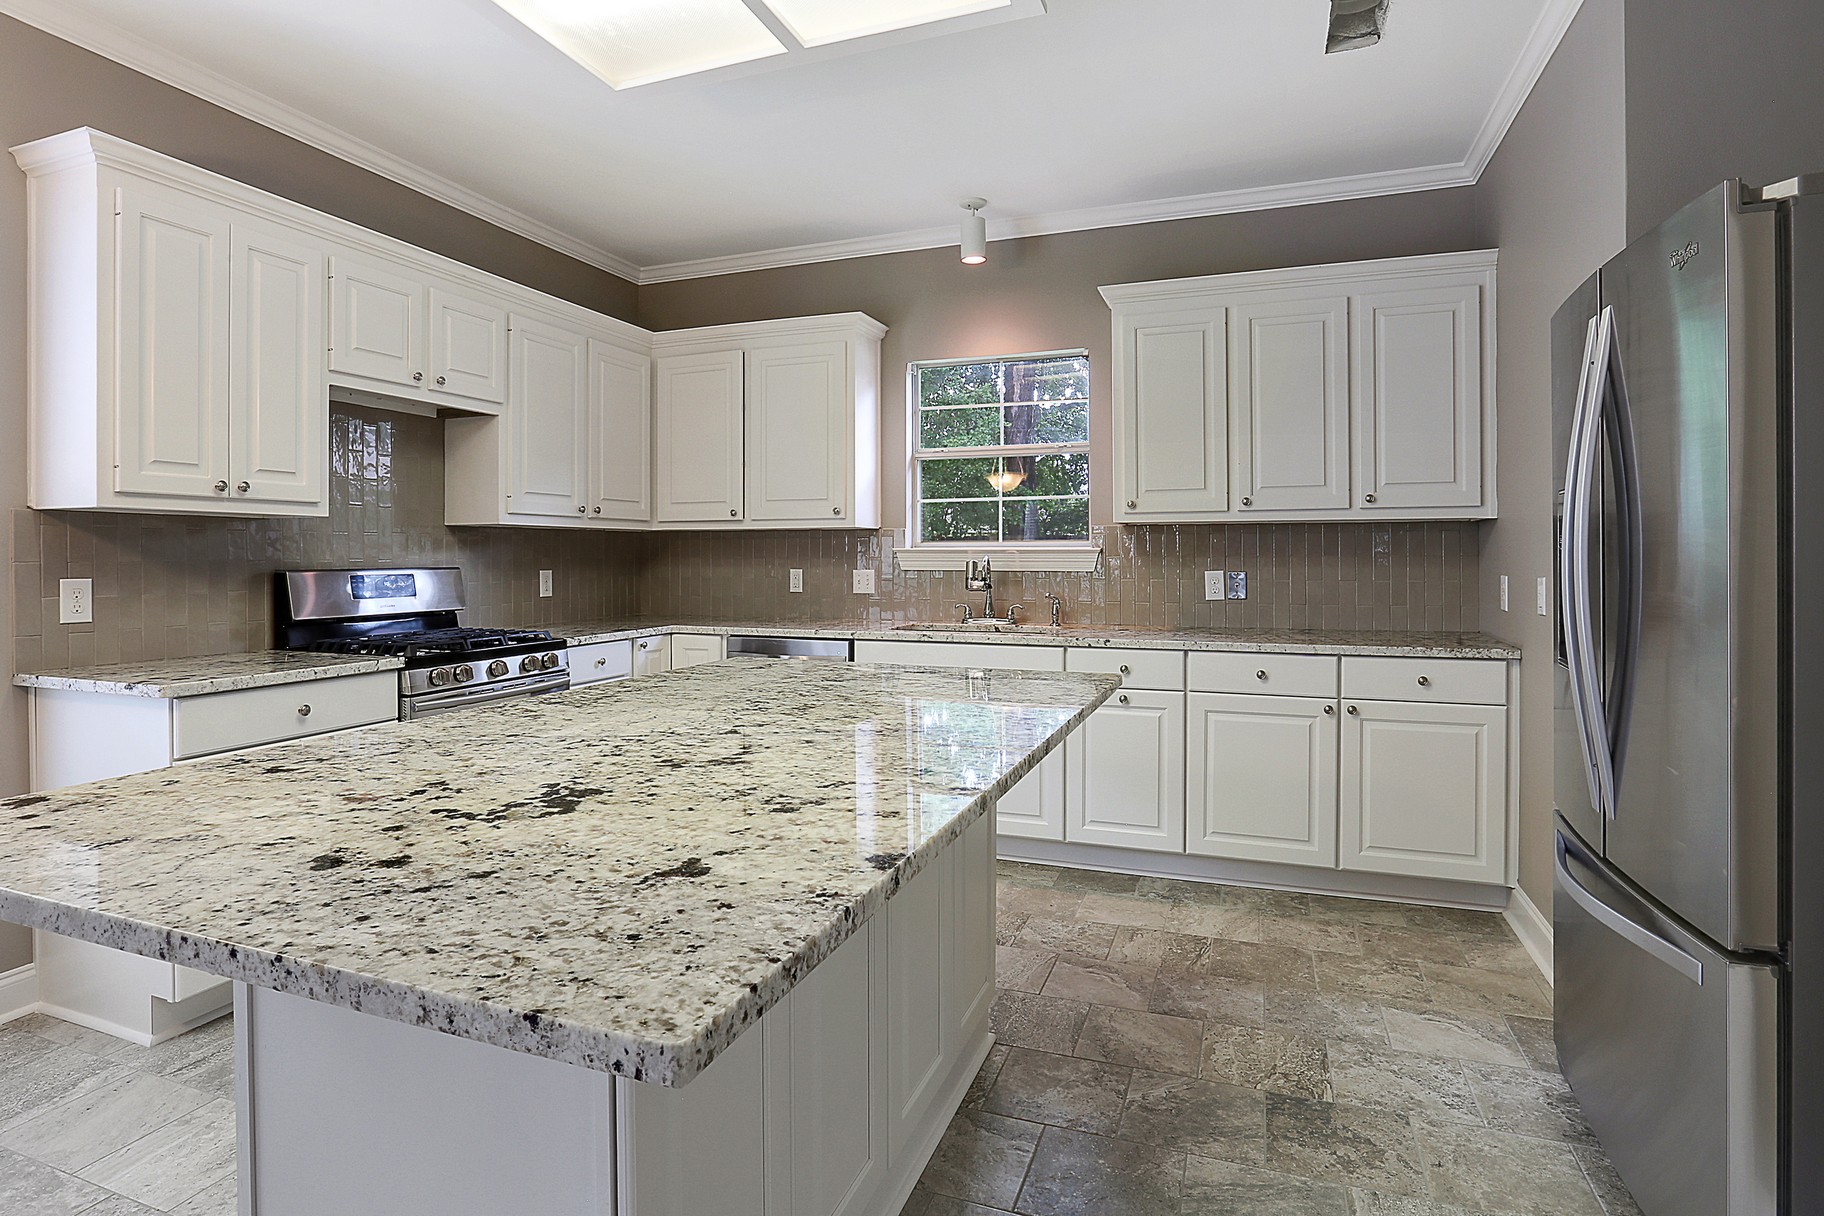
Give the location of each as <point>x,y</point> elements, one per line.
<point>975,232</point>
<point>821,22</point>
<point>633,42</point>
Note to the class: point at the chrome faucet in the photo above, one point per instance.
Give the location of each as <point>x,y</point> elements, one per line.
<point>968,613</point>
<point>1057,610</point>
<point>980,577</point>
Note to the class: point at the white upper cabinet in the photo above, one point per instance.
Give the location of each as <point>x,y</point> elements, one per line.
<point>1174,438</point>
<point>620,434</point>
<point>468,356</point>
<point>397,331</point>
<point>700,435</point>
<point>376,326</point>
<point>772,424</point>
<point>1289,397</point>
<point>547,424</point>
<point>277,399</point>
<point>1354,391</point>
<point>1418,383</point>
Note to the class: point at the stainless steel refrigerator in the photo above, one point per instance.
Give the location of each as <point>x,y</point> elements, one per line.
<point>1688,409</point>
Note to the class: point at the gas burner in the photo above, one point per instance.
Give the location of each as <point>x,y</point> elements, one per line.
<point>433,643</point>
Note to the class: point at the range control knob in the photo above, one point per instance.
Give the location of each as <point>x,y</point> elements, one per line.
<point>528,665</point>
<point>497,669</point>
<point>547,661</point>
<point>439,677</point>
<point>464,673</point>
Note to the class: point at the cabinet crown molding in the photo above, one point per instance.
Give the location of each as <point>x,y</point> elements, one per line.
<point>754,333</point>
<point>1326,274</point>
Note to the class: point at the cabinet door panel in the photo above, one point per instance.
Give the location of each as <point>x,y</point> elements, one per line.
<point>1289,397</point>
<point>376,322</point>
<point>620,428</point>
<point>971,971</point>
<point>546,416</point>
<point>1261,777</point>
<point>1175,424</point>
<point>468,347</point>
<point>278,402</point>
<point>724,1111</point>
<point>1424,790</point>
<point>1126,768</point>
<point>798,442</point>
<point>1418,394</point>
<point>172,358</point>
<point>919,1041</point>
<point>690,649</point>
<point>700,452</point>
<point>1034,808</point>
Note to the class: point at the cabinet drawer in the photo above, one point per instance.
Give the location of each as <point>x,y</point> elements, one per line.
<point>1436,681</point>
<point>1160,669</point>
<point>1250,674</point>
<point>986,655</point>
<point>599,661</point>
<point>226,721</point>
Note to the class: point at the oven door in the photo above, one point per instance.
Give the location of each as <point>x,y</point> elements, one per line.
<point>426,704</point>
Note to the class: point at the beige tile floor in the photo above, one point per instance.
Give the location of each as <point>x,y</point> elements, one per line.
<point>1163,1047</point>
<point>1195,1050</point>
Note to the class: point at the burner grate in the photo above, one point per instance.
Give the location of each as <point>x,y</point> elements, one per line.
<point>427,642</point>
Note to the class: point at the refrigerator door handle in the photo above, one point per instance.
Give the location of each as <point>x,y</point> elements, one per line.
<point>1622,926</point>
<point>1619,414</point>
<point>1574,572</point>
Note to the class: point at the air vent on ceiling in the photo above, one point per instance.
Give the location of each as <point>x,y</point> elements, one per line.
<point>1354,24</point>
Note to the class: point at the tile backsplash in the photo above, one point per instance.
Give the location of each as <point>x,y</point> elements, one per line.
<point>1300,576</point>
<point>171,586</point>
<point>176,586</point>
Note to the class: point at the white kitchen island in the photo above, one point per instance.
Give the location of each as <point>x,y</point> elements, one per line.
<point>716,942</point>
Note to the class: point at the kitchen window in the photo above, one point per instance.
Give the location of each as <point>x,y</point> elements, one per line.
<point>1000,454</point>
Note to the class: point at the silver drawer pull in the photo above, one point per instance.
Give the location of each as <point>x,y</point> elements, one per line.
<point>417,377</point>
<point>1261,674</point>
<point>304,710</point>
<point>1424,681</point>
<point>443,380</point>
<point>221,487</point>
<point>732,513</point>
<point>645,645</point>
<point>1353,711</point>
<point>1367,498</point>
<point>1330,710</point>
<point>1131,504</point>
<point>1124,669</point>
<point>1122,698</point>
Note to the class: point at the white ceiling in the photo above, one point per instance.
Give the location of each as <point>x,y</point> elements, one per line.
<point>1098,112</point>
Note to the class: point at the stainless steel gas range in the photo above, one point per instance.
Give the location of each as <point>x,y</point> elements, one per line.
<point>414,614</point>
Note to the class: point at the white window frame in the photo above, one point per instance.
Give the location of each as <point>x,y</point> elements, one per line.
<point>912,553</point>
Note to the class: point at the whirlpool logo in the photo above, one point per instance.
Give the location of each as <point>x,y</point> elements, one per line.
<point>1682,257</point>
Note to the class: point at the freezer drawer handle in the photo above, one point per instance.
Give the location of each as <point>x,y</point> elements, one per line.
<point>1614,921</point>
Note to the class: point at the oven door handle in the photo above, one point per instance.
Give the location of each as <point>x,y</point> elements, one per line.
<point>422,704</point>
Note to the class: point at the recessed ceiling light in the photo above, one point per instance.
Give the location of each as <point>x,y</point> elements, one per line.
<point>820,22</point>
<point>632,42</point>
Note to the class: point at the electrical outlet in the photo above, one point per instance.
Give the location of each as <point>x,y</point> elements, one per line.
<point>1545,597</point>
<point>797,581</point>
<point>1215,583</point>
<point>1238,584</point>
<point>864,582</point>
<point>1504,593</point>
<point>75,601</point>
<point>544,584</point>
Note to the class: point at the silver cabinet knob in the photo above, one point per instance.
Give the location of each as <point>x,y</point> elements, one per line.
<point>244,486</point>
<point>835,510</point>
<point>304,710</point>
<point>1367,498</point>
<point>1124,669</point>
<point>442,380</point>
<point>1122,698</point>
<point>601,662</point>
<point>598,510</point>
<point>221,487</point>
<point>418,377</point>
<point>1424,681</point>
<point>1330,710</point>
<point>1131,504</point>
<point>645,645</point>
<point>1261,674</point>
<point>1353,711</point>
<point>733,514</point>
<point>582,510</point>
<point>1247,502</point>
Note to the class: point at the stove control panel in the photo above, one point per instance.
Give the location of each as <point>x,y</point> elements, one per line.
<point>478,675</point>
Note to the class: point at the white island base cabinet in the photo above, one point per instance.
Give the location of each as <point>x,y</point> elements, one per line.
<point>830,1106</point>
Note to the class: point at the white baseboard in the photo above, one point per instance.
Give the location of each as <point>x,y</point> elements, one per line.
<point>18,992</point>
<point>1533,928</point>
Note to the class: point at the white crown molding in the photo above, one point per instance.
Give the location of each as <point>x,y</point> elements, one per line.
<point>115,44</point>
<point>1169,291</point>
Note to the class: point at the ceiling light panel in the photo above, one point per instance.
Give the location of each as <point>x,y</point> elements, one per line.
<point>821,22</point>
<point>633,42</point>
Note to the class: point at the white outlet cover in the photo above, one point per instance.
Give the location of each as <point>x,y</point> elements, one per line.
<point>1504,593</point>
<point>797,581</point>
<point>544,583</point>
<point>1215,584</point>
<point>1545,597</point>
<point>75,601</point>
<point>864,582</point>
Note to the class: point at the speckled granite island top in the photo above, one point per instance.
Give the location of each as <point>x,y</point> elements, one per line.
<point>1402,644</point>
<point>196,677</point>
<point>622,877</point>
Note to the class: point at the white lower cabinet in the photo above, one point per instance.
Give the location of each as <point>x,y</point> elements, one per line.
<point>1261,773</point>
<point>600,662</point>
<point>652,655</point>
<point>1424,790</point>
<point>1034,809</point>
<point>690,649</point>
<point>1125,774</point>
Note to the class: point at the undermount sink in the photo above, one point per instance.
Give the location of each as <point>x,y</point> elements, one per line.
<point>978,625</point>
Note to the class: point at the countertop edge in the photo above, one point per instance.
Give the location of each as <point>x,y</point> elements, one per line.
<point>201,686</point>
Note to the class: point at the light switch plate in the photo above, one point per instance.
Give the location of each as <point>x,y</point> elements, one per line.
<point>1238,584</point>
<point>544,584</point>
<point>864,582</point>
<point>1215,584</point>
<point>1504,593</point>
<point>797,581</point>
<point>75,601</point>
<point>1545,597</point>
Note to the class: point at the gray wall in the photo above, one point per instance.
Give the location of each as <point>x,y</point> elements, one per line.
<point>1554,201</point>
<point>47,86</point>
<point>1719,89</point>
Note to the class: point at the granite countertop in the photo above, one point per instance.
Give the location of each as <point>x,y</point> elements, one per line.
<point>622,877</point>
<point>200,676</point>
<point>1435,645</point>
